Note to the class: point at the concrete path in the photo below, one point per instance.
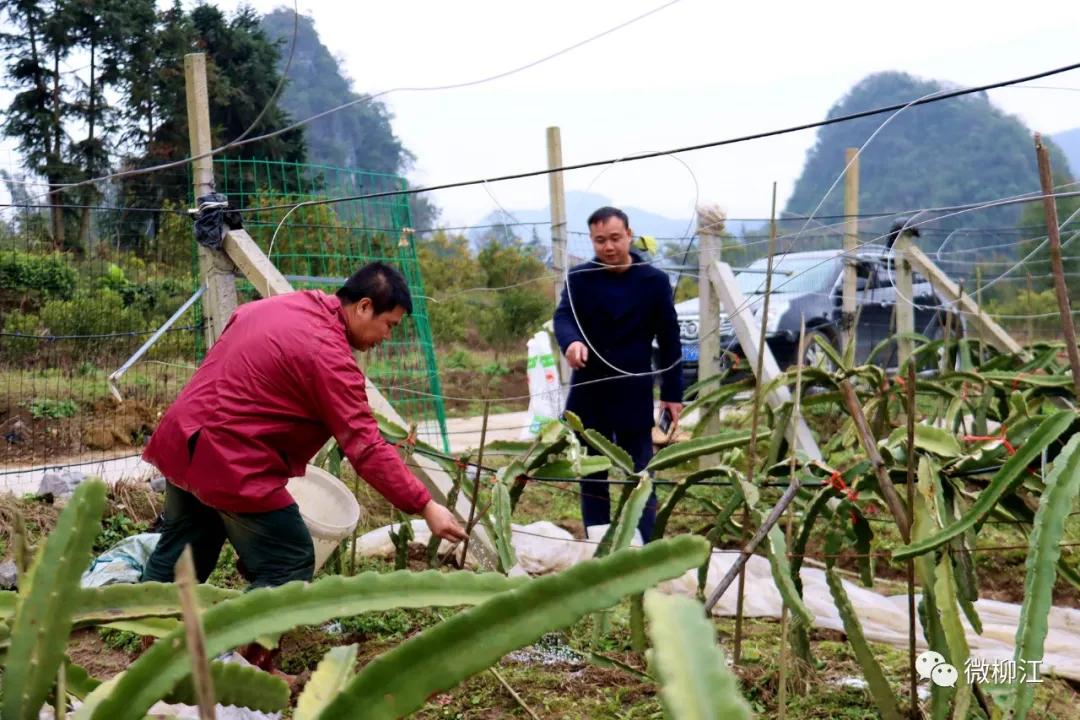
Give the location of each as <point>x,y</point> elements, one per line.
<point>28,480</point>
<point>465,432</point>
<point>464,435</point>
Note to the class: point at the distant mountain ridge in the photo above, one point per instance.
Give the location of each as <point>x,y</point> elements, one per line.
<point>579,205</point>
<point>1069,142</point>
<point>953,152</point>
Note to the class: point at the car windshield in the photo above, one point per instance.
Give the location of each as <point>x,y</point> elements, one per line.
<point>790,275</point>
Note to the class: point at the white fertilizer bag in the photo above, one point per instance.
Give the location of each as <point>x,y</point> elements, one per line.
<point>545,392</point>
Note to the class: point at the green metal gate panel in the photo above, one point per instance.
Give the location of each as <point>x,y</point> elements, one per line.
<point>318,246</point>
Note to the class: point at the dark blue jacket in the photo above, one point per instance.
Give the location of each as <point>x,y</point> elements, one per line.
<point>617,316</point>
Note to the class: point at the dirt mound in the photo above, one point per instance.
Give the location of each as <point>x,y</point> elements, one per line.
<point>111,425</point>
<point>102,426</point>
<point>474,385</point>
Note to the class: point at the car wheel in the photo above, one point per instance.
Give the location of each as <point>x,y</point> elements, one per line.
<point>813,355</point>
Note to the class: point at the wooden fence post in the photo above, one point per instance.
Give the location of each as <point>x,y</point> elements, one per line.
<point>216,270</point>
<point>708,321</point>
<point>557,195</point>
<point>1068,328</point>
<point>905,301</point>
<point>851,244</point>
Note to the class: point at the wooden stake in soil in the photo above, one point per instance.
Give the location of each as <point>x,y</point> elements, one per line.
<point>196,642</point>
<point>750,547</point>
<point>754,414</point>
<point>476,484</point>
<point>885,484</point>
<point>1060,289</point>
<point>910,388</point>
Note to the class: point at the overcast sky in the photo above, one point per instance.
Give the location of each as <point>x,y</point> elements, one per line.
<point>696,71</point>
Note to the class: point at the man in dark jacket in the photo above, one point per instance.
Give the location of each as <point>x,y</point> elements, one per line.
<point>611,310</point>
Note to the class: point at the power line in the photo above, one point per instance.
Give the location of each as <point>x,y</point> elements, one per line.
<point>367,99</point>
<point>686,148</point>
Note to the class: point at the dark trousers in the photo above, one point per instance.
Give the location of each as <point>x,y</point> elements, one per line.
<point>274,547</point>
<point>595,496</point>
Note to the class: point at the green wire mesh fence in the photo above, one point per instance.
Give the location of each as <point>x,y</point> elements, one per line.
<point>318,246</point>
<point>73,310</point>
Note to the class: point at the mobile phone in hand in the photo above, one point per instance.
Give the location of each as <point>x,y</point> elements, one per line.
<point>665,421</point>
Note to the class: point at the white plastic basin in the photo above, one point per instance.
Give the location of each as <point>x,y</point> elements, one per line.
<point>328,507</point>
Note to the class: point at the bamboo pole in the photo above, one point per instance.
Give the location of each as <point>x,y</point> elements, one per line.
<point>750,547</point>
<point>885,484</point>
<point>196,641</point>
<point>476,483</point>
<point>1060,289</point>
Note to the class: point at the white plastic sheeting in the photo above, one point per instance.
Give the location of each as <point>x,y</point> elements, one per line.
<point>543,548</point>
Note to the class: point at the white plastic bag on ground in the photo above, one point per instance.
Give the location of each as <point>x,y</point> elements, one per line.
<point>545,391</point>
<point>543,547</point>
<point>162,709</point>
<point>122,563</point>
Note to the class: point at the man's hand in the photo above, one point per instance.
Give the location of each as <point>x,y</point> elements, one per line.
<point>577,355</point>
<point>675,409</point>
<point>441,522</point>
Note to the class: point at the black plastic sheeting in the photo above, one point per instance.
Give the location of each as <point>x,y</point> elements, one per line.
<point>210,221</point>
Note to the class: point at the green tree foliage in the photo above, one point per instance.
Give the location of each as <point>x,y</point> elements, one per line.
<point>360,136</point>
<point>241,77</point>
<point>498,320</point>
<point>1033,231</point>
<point>128,102</point>
<point>956,151</point>
<point>524,299</point>
<point>27,279</point>
<point>449,267</point>
<point>36,43</point>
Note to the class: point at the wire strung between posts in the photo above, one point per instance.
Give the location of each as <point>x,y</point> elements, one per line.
<point>367,99</point>
<point>1016,199</point>
<point>690,148</point>
<point>125,208</point>
<point>584,480</point>
<point>952,210</point>
<point>101,336</point>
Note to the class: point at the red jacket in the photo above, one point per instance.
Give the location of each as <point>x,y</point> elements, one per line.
<point>278,383</point>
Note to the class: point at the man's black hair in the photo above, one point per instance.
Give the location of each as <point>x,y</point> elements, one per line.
<point>606,213</point>
<point>382,283</point>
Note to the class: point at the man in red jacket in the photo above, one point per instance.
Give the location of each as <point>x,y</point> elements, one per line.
<point>275,387</point>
